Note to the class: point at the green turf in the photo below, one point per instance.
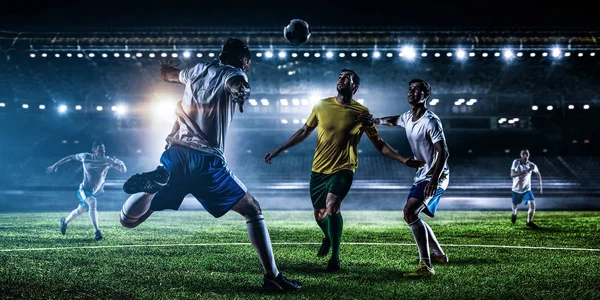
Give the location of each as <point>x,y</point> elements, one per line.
<point>233,271</point>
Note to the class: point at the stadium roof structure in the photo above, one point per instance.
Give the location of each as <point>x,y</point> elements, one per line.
<point>342,38</point>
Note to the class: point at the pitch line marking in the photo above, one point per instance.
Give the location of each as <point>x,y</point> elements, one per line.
<point>291,243</point>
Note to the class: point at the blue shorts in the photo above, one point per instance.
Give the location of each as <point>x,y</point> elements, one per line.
<point>204,175</point>
<point>82,194</point>
<point>518,198</point>
<point>431,204</point>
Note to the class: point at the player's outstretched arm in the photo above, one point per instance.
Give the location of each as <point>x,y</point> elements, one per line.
<point>168,72</point>
<point>118,165</point>
<point>294,140</point>
<point>368,120</point>
<point>54,167</point>
<point>384,148</point>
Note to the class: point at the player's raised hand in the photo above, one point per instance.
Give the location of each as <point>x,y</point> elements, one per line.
<point>167,64</point>
<point>270,155</point>
<point>367,120</point>
<point>51,169</point>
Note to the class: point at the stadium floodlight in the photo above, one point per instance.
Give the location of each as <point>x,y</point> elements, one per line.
<point>461,54</point>
<point>508,54</point>
<point>42,106</point>
<point>408,52</point>
<point>268,54</point>
<point>99,108</point>
<point>264,102</point>
<point>282,54</point>
<point>329,54</point>
<point>555,52</point>
<point>284,102</point>
<point>376,54</point>
<point>252,102</point>
<point>186,54</point>
<point>25,106</point>
<point>534,107</point>
<point>77,107</point>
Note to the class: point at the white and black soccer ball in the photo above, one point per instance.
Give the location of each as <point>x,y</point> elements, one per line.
<point>297,32</point>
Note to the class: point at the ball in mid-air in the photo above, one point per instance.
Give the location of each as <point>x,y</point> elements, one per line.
<point>297,32</point>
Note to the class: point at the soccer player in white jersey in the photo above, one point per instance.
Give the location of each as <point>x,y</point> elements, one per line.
<point>193,160</point>
<point>427,141</point>
<point>520,171</point>
<point>95,168</point>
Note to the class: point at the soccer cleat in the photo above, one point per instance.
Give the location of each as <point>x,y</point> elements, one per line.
<point>422,271</point>
<point>532,225</point>
<point>513,218</point>
<point>440,260</point>
<point>98,235</point>
<point>280,283</point>
<point>325,246</point>
<point>333,265</point>
<point>63,226</point>
<point>149,182</point>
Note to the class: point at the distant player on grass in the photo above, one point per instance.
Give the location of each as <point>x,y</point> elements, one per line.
<point>95,168</point>
<point>336,158</point>
<point>427,141</point>
<point>194,163</point>
<point>520,171</point>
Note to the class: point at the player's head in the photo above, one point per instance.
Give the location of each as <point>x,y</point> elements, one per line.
<point>418,91</point>
<point>236,53</point>
<point>525,154</point>
<point>98,148</point>
<point>348,81</point>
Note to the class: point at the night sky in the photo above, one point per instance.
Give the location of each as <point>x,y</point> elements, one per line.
<point>25,15</point>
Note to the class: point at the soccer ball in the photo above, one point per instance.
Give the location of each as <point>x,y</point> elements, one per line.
<point>297,32</point>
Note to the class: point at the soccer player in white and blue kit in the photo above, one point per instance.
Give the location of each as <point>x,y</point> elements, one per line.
<point>194,163</point>
<point>428,143</point>
<point>95,168</point>
<point>520,171</point>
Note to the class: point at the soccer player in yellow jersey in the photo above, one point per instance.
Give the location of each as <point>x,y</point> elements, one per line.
<point>336,158</point>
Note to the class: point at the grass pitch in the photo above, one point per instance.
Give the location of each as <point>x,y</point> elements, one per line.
<point>191,255</point>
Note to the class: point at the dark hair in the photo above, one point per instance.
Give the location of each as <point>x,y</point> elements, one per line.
<point>233,51</point>
<point>424,84</point>
<point>96,144</point>
<point>355,77</point>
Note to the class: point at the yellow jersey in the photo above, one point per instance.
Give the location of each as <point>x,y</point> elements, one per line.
<point>338,135</point>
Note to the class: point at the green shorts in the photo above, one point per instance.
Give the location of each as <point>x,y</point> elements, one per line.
<point>338,183</point>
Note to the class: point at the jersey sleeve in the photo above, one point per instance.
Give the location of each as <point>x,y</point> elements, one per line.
<point>80,156</point>
<point>401,120</point>
<point>514,166</point>
<point>535,168</point>
<point>187,75</point>
<point>435,130</point>
<point>313,120</point>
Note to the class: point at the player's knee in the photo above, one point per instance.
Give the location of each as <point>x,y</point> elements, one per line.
<point>333,204</point>
<point>91,202</point>
<point>248,206</point>
<point>320,213</point>
<point>410,215</point>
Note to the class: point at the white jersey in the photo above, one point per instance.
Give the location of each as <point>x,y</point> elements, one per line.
<point>94,171</point>
<point>522,184</point>
<point>206,109</point>
<point>422,134</point>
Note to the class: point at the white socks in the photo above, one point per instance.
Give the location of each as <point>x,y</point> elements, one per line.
<point>134,208</point>
<point>436,249</point>
<point>75,213</point>
<point>420,234</point>
<point>259,237</point>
